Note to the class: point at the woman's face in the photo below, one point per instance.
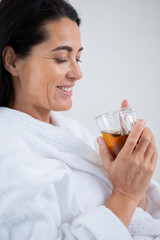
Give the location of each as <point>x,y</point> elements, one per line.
<point>46,78</point>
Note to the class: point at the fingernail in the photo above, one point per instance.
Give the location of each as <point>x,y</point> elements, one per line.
<point>124,103</point>
<point>142,122</point>
<point>139,121</point>
<point>125,100</point>
<point>99,140</point>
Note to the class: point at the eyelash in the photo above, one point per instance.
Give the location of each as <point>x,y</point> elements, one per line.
<point>63,61</point>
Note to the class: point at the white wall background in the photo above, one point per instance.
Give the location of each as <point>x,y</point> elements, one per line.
<point>121,59</point>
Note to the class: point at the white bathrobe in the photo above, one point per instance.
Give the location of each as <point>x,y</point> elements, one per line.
<point>53,184</point>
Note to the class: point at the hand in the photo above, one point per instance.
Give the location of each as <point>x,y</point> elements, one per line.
<point>134,166</point>
<point>143,200</point>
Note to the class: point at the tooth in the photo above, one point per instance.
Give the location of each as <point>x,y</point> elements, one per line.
<point>66,89</point>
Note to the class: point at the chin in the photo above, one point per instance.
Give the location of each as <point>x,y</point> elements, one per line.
<point>63,107</point>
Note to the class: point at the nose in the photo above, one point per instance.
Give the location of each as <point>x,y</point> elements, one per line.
<point>74,72</point>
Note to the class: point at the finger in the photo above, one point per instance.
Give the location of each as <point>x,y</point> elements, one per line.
<point>155,152</point>
<point>144,142</point>
<point>124,103</point>
<point>154,161</point>
<point>104,153</point>
<point>150,150</point>
<point>134,137</point>
<point>155,156</point>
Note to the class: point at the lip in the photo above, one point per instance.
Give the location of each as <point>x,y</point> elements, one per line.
<point>64,92</point>
<point>67,86</point>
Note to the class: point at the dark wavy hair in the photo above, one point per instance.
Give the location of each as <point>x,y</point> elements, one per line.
<point>22,27</point>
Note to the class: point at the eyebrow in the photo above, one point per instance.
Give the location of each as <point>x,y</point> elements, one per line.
<point>67,48</point>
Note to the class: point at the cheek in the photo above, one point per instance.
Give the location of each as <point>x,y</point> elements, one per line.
<point>49,72</point>
<point>31,74</point>
<point>57,72</point>
<point>37,76</point>
<point>40,78</point>
<point>46,80</point>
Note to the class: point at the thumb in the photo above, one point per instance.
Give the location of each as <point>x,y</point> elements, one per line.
<point>124,104</point>
<point>104,153</point>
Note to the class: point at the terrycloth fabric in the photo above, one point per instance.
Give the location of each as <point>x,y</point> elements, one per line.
<point>146,225</point>
<point>53,185</point>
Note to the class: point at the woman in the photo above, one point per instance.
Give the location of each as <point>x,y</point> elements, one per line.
<point>54,183</point>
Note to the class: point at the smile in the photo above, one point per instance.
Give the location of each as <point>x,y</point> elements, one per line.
<point>65,90</point>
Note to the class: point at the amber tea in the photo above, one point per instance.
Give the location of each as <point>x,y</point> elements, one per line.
<point>115,141</point>
<point>115,127</point>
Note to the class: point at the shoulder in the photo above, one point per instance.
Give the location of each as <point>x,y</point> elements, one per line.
<point>12,139</point>
<point>9,137</point>
<point>14,151</point>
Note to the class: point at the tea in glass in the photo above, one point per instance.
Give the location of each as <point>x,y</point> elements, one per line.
<point>115,128</point>
<point>115,141</point>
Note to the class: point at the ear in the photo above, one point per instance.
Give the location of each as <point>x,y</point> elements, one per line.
<point>9,60</point>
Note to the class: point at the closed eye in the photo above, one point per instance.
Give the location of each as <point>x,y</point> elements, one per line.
<point>64,60</point>
<point>60,60</point>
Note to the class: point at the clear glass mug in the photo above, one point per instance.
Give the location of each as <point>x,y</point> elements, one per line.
<point>115,127</point>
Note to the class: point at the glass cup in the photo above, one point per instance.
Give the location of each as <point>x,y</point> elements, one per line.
<point>115,127</point>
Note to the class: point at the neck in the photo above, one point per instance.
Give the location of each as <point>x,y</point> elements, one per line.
<point>35,112</point>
